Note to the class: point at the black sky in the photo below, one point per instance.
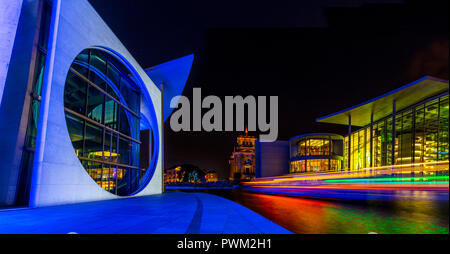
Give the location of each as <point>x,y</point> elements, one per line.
<point>318,56</point>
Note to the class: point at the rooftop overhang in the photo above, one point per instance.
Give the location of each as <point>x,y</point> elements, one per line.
<point>318,136</point>
<point>382,106</point>
<point>173,75</point>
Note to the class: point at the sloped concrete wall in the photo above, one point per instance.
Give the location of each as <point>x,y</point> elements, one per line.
<point>18,23</point>
<point>62,179</point>
<point>9,19</point>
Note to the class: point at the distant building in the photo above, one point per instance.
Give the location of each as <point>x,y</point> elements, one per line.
<point>184,174</point>
<point>211,175</point>
<point>242,160</point>
<point>171,175</point>
<point>316,152</point>
<point>313,152</point>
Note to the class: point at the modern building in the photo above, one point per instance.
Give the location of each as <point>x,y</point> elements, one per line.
<point>242,160</point>
<point>171,175</point>
<point>316,152</point>
<point>211,175</point>
<point>405,126</point>
<point>185,173</point>
<point>80,119</point>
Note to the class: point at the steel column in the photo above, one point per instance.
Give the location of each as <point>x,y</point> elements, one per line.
<point>393,134</point>
<point>371,140</point>
<point>349,139</point>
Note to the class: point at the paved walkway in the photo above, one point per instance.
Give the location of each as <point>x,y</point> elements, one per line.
<point>168,213</point>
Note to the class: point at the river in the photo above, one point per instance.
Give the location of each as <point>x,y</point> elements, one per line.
<point>427,215</point>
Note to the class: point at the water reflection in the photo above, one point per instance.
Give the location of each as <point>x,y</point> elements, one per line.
<point>308,216</point>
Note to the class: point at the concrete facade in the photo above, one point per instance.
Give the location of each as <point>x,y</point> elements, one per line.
<point>271,158</point>
<point>58,176</point>
<point>62,178</point>
<point>9,19</point>
<point>14,104</point>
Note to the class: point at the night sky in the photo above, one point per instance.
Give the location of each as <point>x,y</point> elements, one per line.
<point>318,57</point>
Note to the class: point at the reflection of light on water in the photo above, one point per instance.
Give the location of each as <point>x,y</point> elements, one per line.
<point>399,215</point>
<point>306,215</point>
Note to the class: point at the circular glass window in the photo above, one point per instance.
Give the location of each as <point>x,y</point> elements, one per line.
<point>102,109</point>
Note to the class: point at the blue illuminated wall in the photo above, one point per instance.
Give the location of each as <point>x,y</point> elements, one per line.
<point>9,19</point>
<point>271,158</point>
<point>173,75</point>
<point>57,174</point>
<point>60,178</point>
<point>16,60</point>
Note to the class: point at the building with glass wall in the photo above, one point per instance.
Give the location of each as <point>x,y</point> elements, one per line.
<point>316,152</point>
<point>80,118</point>
<point>102,105</point>
<point>406,126</point>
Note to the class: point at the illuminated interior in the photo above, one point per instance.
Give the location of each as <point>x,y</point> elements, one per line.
<point>421,135</point>
<point>397,142</point>
<point>316,153</point>
<point>102,107</point>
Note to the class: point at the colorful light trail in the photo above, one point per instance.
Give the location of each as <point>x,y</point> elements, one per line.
<point>361,184</point>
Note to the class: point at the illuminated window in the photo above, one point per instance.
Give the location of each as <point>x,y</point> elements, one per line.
<point>102,103</point>
<point>443,129</point>
<point>316,152</point>
<point>421,135</point>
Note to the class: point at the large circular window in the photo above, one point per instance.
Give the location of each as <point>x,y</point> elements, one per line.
<point>102,109</point>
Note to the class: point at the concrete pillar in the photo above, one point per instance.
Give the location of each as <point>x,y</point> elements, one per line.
<point>17,63</point>
<point>162,137</point>
<point>371,140</point>
<point>329,152</point>
<point>45,102</point>
<point>349,139</point>
<point>393,134</point>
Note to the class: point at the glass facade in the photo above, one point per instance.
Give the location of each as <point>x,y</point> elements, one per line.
<point>45,9</point>
<point>420,135</point>
<point>102,104</point>
<point>316,152</point>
